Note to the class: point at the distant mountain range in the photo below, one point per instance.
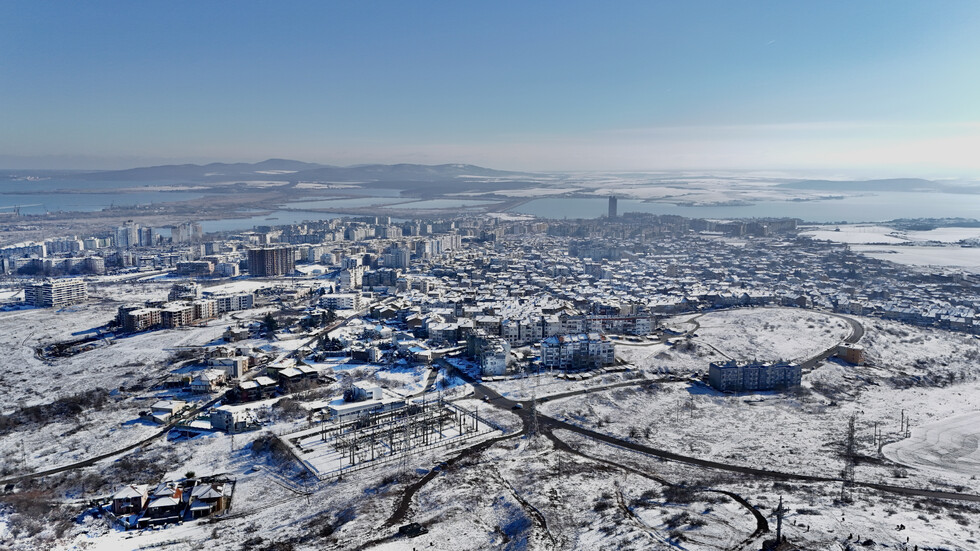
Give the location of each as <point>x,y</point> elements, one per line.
<point>891,184</point>
<point>435,180</point>
<point>284,169</point>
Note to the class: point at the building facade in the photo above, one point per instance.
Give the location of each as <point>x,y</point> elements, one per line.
<point>56,293</point>
<point>579,351</point>
<point>739,377</point>
<point>271,261</point>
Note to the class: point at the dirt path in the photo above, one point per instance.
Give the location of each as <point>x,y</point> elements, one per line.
<point>762,525</point>
<point>401,511</point>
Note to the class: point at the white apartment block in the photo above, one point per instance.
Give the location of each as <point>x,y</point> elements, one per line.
<point>581,351</point>
<point>56,293</point>
<point>235,302</point>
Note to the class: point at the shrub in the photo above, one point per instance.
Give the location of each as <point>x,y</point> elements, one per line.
<point>289,409</point>
<point>680,494</point>
<point>678,520</point>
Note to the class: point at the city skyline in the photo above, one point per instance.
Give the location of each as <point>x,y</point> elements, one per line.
<point>878,87</point>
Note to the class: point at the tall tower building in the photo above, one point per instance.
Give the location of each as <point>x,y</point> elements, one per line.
<point>271,261</point>
<point>128,235</point>
<point>612,206</point>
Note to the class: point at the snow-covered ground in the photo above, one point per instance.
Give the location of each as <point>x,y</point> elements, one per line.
<point>941,446</point>
<point>126,367</point>
<point>129,360</point>
<point>529,494</point>
<point>960,258</point>
<point>926,372</point>
<point>767,334</point>
<point>936,248</point>
<point>816,517</point>
<point>872,233</point>
<point>852,233</point>
<point>524,388</point>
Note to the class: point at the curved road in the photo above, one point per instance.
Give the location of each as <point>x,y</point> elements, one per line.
<point>494,398</point>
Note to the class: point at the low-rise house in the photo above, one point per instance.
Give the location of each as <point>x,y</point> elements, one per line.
<point>208,381</point>
<point>233,419</point>
<point>206,499</point>
<point>289,377</point>
<point>234,334</point>
<point>170,502</point>
<point>257,389</point>
<point>130,499</point>
<point>163,410</point>
<point>165,505</point>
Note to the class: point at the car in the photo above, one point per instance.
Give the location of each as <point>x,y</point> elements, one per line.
<point>518,406</point>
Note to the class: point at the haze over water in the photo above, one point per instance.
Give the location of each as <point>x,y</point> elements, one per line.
<point>876,207</point>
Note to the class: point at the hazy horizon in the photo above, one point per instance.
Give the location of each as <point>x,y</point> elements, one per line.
<point>98,165</point>
<point>879,87</point>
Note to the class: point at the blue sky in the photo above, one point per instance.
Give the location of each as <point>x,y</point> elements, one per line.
<point>890,86</point>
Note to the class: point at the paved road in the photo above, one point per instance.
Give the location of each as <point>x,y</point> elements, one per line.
<point>857,331</point>
<point>550,423</point>
<point>524,412</point>
<point>430,383</point>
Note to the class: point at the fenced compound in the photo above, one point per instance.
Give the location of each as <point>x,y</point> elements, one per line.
<point>330,450</point>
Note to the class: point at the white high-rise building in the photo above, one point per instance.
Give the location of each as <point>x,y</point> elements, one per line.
<point>56,293</point>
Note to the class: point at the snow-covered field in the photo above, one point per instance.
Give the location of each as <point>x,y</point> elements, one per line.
<point>961,258</point>
<point>524,388</point>
<point>937,247</point>
<point>126,369</point>
<point>767,334</point>
<point>872,233</point>
<point>816,517</point>
<point>852,233</point>
<point>941,446</point>
<point>526,493</point>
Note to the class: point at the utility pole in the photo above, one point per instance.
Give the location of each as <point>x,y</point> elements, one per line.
<point>850,451</point>
<point>534,415</point>
<point>780,513</point>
